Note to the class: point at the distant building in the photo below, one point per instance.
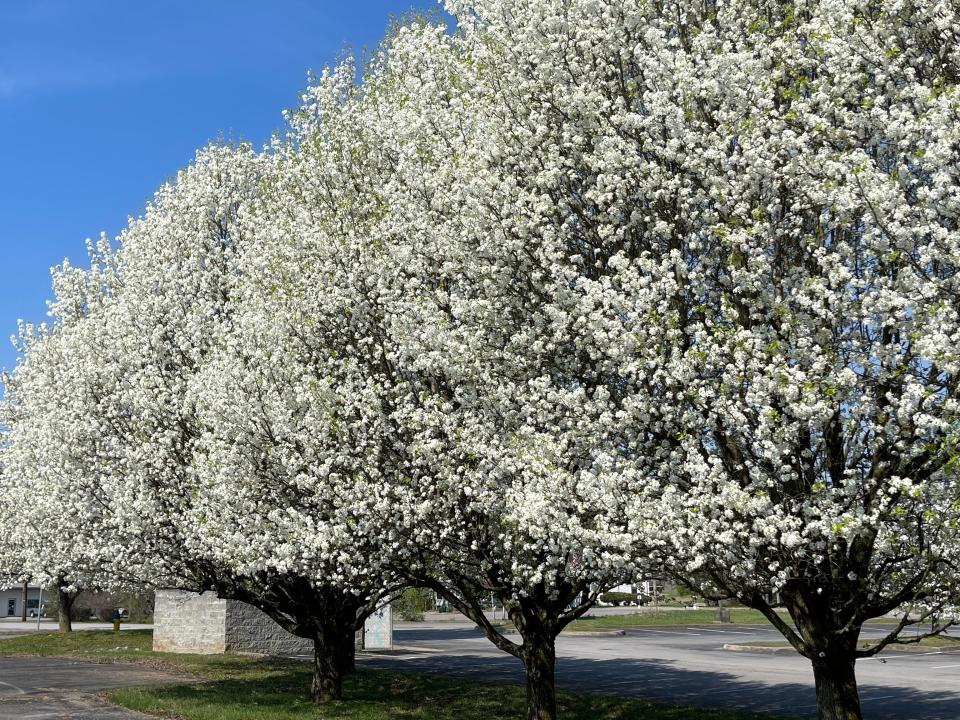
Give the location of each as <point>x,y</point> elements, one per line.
<point>11,601</point>
<point>650,587</point>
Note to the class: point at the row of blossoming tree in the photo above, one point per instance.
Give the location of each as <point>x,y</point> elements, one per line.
<point>579,288</point>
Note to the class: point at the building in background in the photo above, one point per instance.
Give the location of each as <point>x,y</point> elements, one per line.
<point>650,588</point>
<point>11,601</point>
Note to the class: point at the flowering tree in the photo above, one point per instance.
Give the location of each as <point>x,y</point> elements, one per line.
<point>584,282</point>
<point>95,418</point>
<point>512,474</point>
<point>54,507</point>
<point>739,231</point>
<point>294,447</point>
<point>421,322</point>
<point>182,270</point>
<point>113,376</point>
<point>376,403</point>
<point>811,306</point>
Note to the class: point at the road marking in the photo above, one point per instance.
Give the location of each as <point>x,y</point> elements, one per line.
<point>669,632</point>
<point>725,632</point>
<point>417,648</point>
<point>943,667</point>
<point>908,656</point>
<point>21,691</point>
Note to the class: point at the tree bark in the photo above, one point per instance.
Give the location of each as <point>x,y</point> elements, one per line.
<point>540,660</point>
<point>327,683</point>
<point>538,616</point>
<point>837,694</point>
<point>64,606</point>
<point>328,616</point>
<point>347,650</point>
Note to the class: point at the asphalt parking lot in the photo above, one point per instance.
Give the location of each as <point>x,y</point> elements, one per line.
<point>34,688</point>
<point>671,664</point>
<point>689,665</point>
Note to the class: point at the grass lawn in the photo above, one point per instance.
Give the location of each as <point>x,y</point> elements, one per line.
<point>946,641</point>
<point>239,687</point>
<point>941,641</point>
<point>703,616</point>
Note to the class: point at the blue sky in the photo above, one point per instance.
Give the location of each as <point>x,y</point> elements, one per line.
<point>103,100</point>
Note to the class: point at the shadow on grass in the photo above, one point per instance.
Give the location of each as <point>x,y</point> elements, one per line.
<point>379,695</point>
<point>447,687</point>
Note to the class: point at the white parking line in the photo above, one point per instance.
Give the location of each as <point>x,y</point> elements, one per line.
<point>943,667</point>
<point>724,632</point>
<point>669,632</point>
<point>909,656</point>
<point>20,691</point>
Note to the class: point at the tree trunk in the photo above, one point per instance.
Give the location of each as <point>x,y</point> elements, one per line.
<point>325,614</point>
<point>540,659</point>
<point>64,606</point>
<point>346,651</point>
<point>327,678</point>
<point>837,694</point>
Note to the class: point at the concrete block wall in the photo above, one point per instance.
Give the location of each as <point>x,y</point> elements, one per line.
<point>185,622</point>
<point>378,630</point>
<point>189,623</point>
<point>249,629</point>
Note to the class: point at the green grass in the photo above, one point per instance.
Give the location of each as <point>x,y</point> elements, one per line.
<point>81,643</point>
<point>135,646</point>
<point>941,641</point>
<point>237,687</point>
<point>380,695</point>
<point>703,616</point>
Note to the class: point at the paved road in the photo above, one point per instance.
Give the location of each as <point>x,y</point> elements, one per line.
<point>672,664</point>
<point>689,665</point>
<point>13,626</point>
<point>33,688</point>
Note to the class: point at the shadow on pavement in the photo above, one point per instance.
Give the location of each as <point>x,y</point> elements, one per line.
<point>661,680</point>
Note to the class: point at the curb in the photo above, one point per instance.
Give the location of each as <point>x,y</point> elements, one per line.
<point>510,630</point>
<point>758,649</point>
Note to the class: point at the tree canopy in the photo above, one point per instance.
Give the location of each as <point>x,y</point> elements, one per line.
<point>576,289</point>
